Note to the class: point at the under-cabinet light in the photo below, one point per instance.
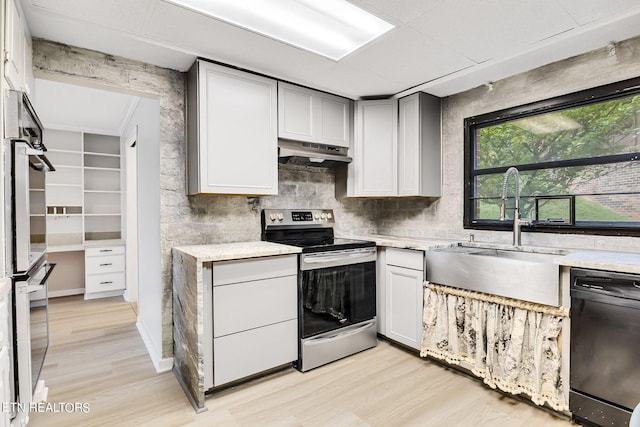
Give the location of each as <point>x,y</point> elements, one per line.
<point>331,28</point>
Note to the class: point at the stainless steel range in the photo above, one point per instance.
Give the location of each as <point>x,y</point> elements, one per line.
<point>336,285</point>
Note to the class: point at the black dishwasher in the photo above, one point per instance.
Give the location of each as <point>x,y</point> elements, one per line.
<point>605,346</point>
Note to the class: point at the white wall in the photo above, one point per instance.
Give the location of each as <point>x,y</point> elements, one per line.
<point>147,118</point>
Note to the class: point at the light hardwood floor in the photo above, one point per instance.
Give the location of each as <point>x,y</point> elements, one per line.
<point>96,356</point>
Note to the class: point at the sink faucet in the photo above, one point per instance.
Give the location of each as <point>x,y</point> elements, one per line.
<point>517,222</point>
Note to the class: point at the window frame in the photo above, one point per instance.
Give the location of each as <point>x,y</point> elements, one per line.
<point>575,99</point>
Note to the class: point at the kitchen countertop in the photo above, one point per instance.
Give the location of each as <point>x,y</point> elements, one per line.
<point>236,250</point>
<point>421,244</point>
<point>625,262</point>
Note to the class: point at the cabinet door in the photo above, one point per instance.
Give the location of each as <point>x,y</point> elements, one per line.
<point>409,146</point>
<point>375,157</point>
<point>296,112</point>
<point>14,40</point>
<point>238,134</point>
<point>334,123</point>
<point>404,305</point>
<point>419,168</point>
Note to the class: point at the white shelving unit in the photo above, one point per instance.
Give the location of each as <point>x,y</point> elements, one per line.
<point>64,191</point>
<point>84,206</point>
<point>84,199</point>
<point>102,195</point>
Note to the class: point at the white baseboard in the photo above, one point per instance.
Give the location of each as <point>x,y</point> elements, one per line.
<point>66,292</point>
<point>161,365</point>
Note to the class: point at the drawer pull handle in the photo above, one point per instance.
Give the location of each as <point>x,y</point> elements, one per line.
<point>106,264</point>
<point>106,283</point>
<point>106,250</point>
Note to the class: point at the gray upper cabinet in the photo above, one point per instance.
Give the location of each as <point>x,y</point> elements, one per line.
<point>232,136</point>
<point>374,170</point>
<point>313,116</point>
<point>396,150</point>
<point>419,163</point>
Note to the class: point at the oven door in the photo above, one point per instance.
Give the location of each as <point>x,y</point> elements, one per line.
<point>337,289</point>
<point>29,206</point>
<point>31,331</point>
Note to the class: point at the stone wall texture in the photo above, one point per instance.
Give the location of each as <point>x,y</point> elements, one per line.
<point>211,219</point>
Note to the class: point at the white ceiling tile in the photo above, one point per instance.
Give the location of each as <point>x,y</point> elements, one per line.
<point>122,14</point>
<point>397,11</point>
<point>420,58</point>
<point>482,30</point>
<point>87,35</point>
<point>586,11</point>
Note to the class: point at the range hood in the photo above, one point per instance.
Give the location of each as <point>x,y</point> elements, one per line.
<point>310,154</point>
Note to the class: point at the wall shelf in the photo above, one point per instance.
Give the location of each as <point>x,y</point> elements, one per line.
<point>87,180</point>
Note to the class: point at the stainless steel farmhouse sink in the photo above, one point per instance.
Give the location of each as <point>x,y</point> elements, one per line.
<point>519,273</point>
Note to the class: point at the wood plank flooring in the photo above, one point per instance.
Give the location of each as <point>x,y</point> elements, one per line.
<point>96,356</point>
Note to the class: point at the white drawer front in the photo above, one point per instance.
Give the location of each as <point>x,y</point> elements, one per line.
<point>407,258</point>
<point>107,250</point>
<point>242,306</point>
<point>104,282</point>
<point>246,353</point>
<point>104,264</point>
<point>225,272</point>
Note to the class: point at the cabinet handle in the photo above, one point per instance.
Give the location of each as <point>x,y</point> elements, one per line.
<point>106,250</point>
<point>106,283</point>
<point>106,264</point>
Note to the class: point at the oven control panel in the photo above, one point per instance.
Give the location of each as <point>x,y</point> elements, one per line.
<point>298,217</point>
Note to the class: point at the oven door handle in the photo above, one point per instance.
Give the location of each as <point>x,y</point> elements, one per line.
<point>340,335</point>
<point>50,266</point>
<point>35,288</point>
<point>325,259</point>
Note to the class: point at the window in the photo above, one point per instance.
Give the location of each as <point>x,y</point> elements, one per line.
<point>581,150</point>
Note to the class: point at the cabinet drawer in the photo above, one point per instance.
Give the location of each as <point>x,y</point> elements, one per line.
<point>104,264</point>
<point>249,305</point>
<point>104,282</point>
<point>246,353</point>
<point>407,258</point>
<point>110,250</point>
<point>226,272</point>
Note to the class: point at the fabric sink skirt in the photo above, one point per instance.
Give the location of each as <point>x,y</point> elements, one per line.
<point>512,345</point>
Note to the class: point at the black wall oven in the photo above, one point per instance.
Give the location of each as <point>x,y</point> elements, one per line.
<point>336,285</point>
<point>605,347</point>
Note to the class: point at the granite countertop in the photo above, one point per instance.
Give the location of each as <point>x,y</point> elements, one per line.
<point>626,262</point>
<point>236,250</point>
<point>417,243</point>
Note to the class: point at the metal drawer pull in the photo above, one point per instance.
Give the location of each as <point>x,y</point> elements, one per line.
<point>106,264</point>
<point>106,250</point>
<point>106,283</point>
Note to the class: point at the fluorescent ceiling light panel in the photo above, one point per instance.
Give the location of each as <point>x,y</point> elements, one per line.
<point>331,28</point>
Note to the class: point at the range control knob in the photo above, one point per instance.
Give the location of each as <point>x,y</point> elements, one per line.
<point>323,215</point>
<point>280,217</point>
<point>317,216</point>
<point>329,215</point>
<point>272,217</point>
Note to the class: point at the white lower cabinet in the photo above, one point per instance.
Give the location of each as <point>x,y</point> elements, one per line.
<point>403,300</point>
<point>104,271</point>
<point>254,316</point>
